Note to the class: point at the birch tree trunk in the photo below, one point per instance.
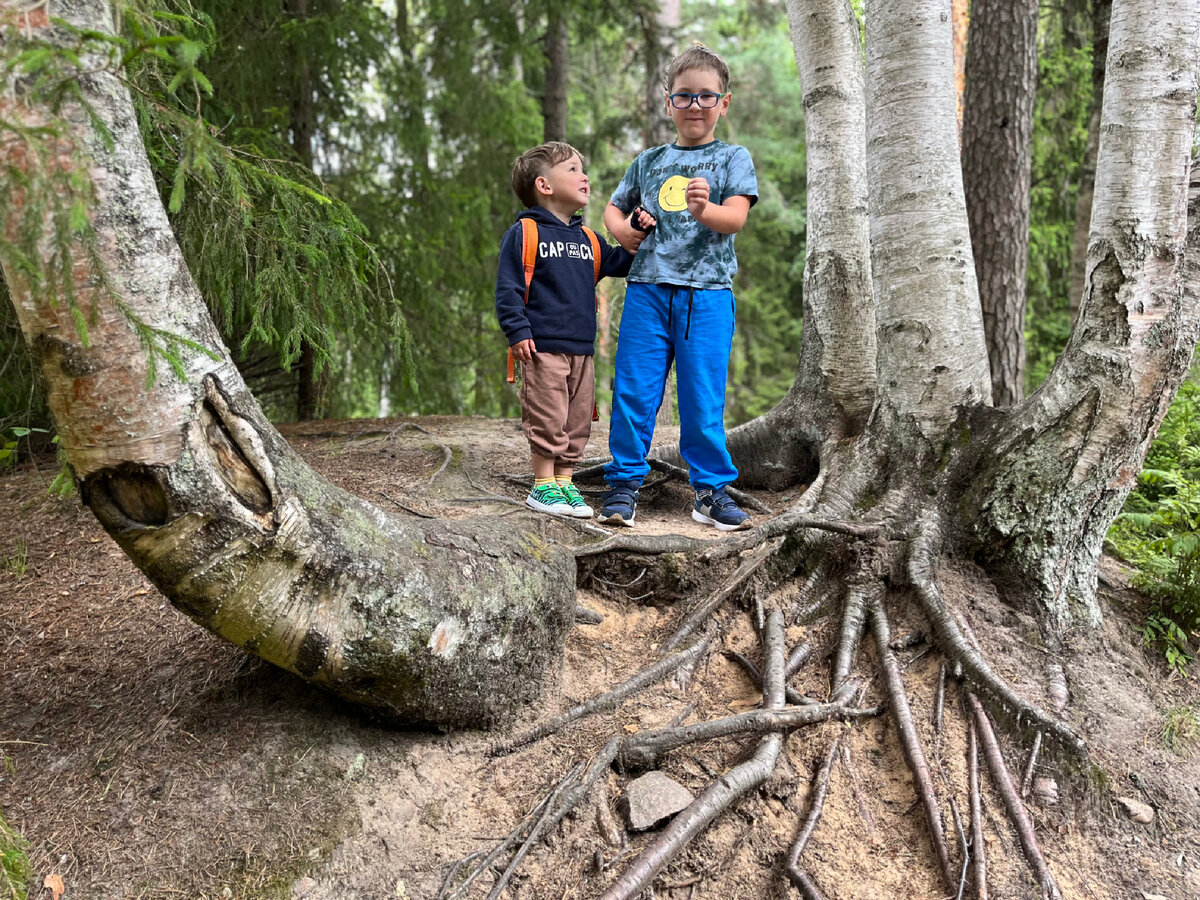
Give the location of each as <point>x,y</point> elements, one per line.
<point>1101,9</point>
<point>447,623</point>
<point>932,358</point>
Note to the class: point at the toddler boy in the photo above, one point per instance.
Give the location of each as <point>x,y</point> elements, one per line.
<point>546,306</point>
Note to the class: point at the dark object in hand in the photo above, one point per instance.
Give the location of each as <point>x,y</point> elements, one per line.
<point>633,220</point>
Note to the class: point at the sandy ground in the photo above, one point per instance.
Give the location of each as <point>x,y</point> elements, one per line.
<point>142,757</point>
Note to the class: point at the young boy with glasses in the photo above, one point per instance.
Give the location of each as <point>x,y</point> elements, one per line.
<point>679,301</point>
<point>549,317</point>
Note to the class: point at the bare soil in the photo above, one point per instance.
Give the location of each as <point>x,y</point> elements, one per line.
<point>141,757</point>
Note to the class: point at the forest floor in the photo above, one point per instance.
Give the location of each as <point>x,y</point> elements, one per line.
<point>141,757</point>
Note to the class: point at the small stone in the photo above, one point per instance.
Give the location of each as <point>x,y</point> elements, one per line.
<point>1045,791</point>
<point>1146,896</point>
<point>1137,810</point>
<point>303,887</point>
<point>652,799</point>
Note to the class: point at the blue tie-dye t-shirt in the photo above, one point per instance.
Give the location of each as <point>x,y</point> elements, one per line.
<point>679,250</point>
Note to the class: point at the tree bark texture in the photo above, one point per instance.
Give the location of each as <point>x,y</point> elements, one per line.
<point>447,623</point>
<point>997,144</point>
<point>927,299</point>
<point>554,100</point>
<point>837,360</point>
<point>834,390</point>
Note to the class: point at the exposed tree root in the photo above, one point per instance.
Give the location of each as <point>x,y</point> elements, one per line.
<point>738,581</point>
<point>1012,800</point>
<point>643,679</point>
<point>795,872</point>
<point>722,792</point>
<point>978,844</point>
<point>1032,765</point>
<point>861,558</point>
<point>792,695</point>
<point>644,749</point>
<point>921,566</point>
<point>548,812</point>
<point>914,753</point>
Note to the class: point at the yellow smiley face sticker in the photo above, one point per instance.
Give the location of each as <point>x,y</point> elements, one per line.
<point>672,196</point>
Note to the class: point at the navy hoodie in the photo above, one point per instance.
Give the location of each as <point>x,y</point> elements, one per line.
<point>561,314</point>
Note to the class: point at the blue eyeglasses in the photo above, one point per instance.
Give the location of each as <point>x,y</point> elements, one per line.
<point>704,99</point>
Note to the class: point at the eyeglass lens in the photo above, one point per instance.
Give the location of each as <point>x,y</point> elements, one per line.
<point>705,99</point>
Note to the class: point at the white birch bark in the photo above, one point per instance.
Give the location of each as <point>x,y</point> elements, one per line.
<point>443,622</point>
<point>932,355</point>
<point>837,357</point>
<point>1068,456</point>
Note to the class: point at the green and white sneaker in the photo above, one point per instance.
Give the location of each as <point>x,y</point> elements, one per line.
<point>579,507</point>
<point>548,498</point>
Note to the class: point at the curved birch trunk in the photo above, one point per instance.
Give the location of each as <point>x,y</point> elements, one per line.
<point>449,623</point>
<point>1061,465</point>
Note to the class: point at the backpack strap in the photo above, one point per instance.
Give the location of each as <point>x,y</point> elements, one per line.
<point>529,242</point>
<point>596,265</point>
<point>591,235</point>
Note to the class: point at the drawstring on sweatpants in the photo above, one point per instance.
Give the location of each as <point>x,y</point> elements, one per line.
<point>687,328</point>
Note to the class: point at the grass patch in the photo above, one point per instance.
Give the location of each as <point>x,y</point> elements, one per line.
<point>15,870</point>
<point>18,563</point>
<point>1181,728</point>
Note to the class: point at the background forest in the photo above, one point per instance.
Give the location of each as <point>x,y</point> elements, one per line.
<point>338,176</point>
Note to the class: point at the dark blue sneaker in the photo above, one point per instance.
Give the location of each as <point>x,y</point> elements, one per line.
<point>618,503</point>
<point>717,508</point>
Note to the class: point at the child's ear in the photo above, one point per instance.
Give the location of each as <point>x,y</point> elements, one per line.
<point>541,185</point>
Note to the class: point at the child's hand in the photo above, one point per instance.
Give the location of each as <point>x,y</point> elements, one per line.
<point>697,197</point>
<point>641,220</point>
<point>523,350</point>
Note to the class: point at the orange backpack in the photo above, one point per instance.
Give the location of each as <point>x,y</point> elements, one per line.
<point>529,242</point>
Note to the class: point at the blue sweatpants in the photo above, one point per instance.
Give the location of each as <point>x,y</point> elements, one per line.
<point>661,322</point>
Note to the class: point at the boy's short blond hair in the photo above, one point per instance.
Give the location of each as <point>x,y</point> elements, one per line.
<point>535,162</point>
<point>698,57</point>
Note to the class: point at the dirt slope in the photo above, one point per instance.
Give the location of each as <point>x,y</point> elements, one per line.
<point>144,758</point>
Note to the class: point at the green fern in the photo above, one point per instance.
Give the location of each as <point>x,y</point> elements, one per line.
<point>1159,531</point>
